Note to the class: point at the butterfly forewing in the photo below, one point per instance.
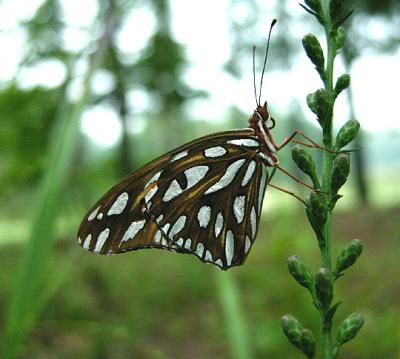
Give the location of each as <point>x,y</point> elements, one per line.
<point>203,198</point>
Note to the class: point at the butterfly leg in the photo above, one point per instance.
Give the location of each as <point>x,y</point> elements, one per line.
<point>313,144</point>
<point>288,192</point>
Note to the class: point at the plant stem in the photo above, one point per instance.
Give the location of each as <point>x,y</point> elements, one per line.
<point>326,259</point>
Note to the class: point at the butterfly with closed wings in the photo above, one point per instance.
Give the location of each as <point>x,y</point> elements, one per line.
<point>203,198</point>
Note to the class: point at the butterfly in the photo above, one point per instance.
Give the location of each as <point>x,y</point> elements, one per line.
<point>203,198</point>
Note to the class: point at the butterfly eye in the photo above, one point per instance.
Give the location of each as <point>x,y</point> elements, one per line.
<point>270,127</point>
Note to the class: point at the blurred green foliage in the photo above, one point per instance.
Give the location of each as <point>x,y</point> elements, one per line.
<point>154,304</point>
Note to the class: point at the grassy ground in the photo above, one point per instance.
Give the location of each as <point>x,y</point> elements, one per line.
<point>155,304</point>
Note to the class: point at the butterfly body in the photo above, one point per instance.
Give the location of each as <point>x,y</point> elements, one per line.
<point>203,198</point>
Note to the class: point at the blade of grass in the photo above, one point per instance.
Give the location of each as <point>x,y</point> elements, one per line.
<point>235,325</point>
<point>31,274</point>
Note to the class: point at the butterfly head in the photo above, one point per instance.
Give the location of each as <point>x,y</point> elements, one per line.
<point>262,123</point>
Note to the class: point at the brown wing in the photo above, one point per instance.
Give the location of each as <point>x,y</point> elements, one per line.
<point>203,198</point>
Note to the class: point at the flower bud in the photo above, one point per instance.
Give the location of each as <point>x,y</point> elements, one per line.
<point>307,343</point>
<point>318,102</point>
<point>349,328</point>
<point>292,329</point>
<point>347,133</point>
<point>342,83</point>
<point>300,272</point>
<point>340,37</point>
<point>348,256</point>
<point>340,171</point>
<point>323,287</point>
<point>305,162</point>
<point>314,51</point>
<point>318,207</point>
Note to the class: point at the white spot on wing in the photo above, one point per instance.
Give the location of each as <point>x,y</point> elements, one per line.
<point>219,223</point>
<point>150,194</point>
<point>200,249</point>
<point>247,142</point>
<point>86,242</point>
<point>177,227</point>
<point>188,244</point>
<point>195,174</point>
<point>229,247</point>
<point>228,176</point>
<point>238,208</point>
<point>79,240</point>
<point>101,239</point>
<point>218,262</point>
<point>203,216</point>
<point>165,228</point>
<point>173,190</point>
<point>253,222</point>
<point>249,173</point>
<point>265,157</point>
<point>179,156</point>
<point>247,244</point>
<point>133,230</point>
<point>93,214</point>
<point>213,152</point>
<point>159,218</point>
<point>119,204</point>
<point>179,242</point>
<point>208,257</point>
<point>99,216</point>
<point>153,179</point>
<point>263,182</point>
<point>157,237</point>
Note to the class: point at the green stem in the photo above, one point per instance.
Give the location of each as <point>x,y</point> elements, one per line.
<point>326,258</point>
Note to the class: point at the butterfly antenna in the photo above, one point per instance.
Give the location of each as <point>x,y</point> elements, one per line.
<point>273,22</point>
<point>254,75</point>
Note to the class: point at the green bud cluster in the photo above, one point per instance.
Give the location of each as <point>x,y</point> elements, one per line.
<point>340,171</point>
<point>347,133</point>
<point>339,38</point>
<point>348,256</point>
<point>348,329</point>
<point>318,207</point>
<point>305,162</point>
<point>323,287</point>
<point>299,336</point>
<point>342,83</point>
<point>301,272</point>
<point>314,52</point>
<point>319,102</point>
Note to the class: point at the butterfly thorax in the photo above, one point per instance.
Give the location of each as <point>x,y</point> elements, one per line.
<point>259,123</point>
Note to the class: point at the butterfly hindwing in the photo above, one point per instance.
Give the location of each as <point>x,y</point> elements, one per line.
<point>203,198</point>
